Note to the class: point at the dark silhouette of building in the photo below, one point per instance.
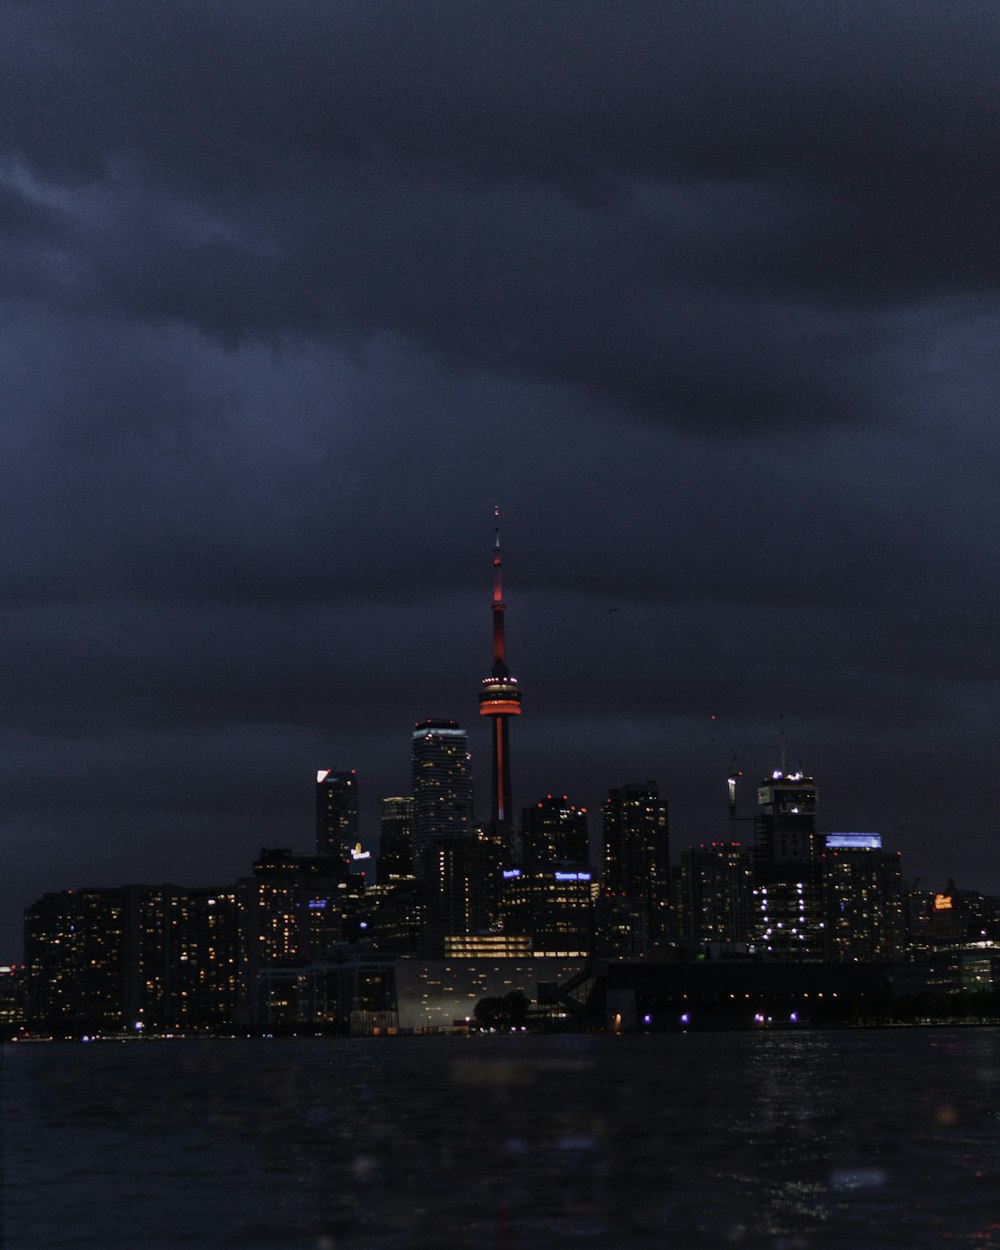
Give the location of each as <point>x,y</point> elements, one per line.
<point>635,907</point>
<point>459,877</point>
<point>455,863</point>
<point>395,851</point>
<point>337,820</point>
<point>500,699</point>
<point>554,831</point>
<point>442,786</point>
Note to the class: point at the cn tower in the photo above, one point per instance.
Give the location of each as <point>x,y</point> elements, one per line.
<point>500,699</point>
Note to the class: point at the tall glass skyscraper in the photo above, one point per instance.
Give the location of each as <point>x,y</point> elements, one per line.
<point>442,785</point>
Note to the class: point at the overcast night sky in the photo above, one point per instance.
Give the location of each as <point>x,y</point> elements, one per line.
<point>703,294</point>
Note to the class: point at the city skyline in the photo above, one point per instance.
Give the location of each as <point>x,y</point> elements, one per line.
<point>704,297</point>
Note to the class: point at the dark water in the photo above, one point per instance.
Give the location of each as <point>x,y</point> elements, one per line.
<point>780,1140</point>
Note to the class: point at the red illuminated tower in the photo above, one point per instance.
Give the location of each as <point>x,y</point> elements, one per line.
<point>500,699</point>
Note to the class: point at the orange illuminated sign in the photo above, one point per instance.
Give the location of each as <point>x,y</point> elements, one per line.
<point>942,902</point>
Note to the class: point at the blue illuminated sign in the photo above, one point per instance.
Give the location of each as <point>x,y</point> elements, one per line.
<point>853,841</point>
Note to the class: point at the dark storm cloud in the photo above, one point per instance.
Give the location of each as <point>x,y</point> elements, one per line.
<point>655,204</point>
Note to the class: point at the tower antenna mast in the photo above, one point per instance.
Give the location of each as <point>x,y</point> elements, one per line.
<point>500,699</point>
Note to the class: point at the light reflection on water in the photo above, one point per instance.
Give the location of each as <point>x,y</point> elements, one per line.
<point>789,1141</point>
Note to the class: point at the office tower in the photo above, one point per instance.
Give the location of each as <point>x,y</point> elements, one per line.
<point>554,831</point>
<point>863,899</point>
<point>552,904</point>
<point>788,920</point>
<point>395,849</point>
<point>636,868</point>
<point>337,824</point>
<point>717,887</point>
<point>500,699</point>
<point>442,785</point>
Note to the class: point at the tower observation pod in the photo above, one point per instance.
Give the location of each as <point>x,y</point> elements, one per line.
<point>500,699</point>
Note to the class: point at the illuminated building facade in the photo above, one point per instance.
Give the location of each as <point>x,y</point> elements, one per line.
<point>435,994</point>
<point>553,905</point>
<point>863,899</point>
<point>788,900</point>
<point>717,892</point>
<point>636,870</point>
<point>500,699</point>
<point>337,820</point>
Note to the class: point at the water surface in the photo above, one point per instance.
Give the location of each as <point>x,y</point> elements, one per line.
<point>789,1141</point>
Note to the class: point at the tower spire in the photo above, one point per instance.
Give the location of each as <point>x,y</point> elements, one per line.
<point>499,607</point>
<point>500,699</point>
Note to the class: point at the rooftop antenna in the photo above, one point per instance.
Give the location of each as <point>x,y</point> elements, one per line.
<point>781,740</point>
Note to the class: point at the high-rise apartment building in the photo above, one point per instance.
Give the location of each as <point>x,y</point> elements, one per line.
<point>75,952</point>
<point>717,891</point>
<point>863,899</point>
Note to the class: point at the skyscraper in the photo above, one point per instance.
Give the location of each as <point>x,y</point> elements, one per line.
<point>337,825</point>
<point>637,862</point>
<point>500,699</point>
<point>395,848</point>
<point>788,921</point>
<point>442,785</point>
<point>863,898</point>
